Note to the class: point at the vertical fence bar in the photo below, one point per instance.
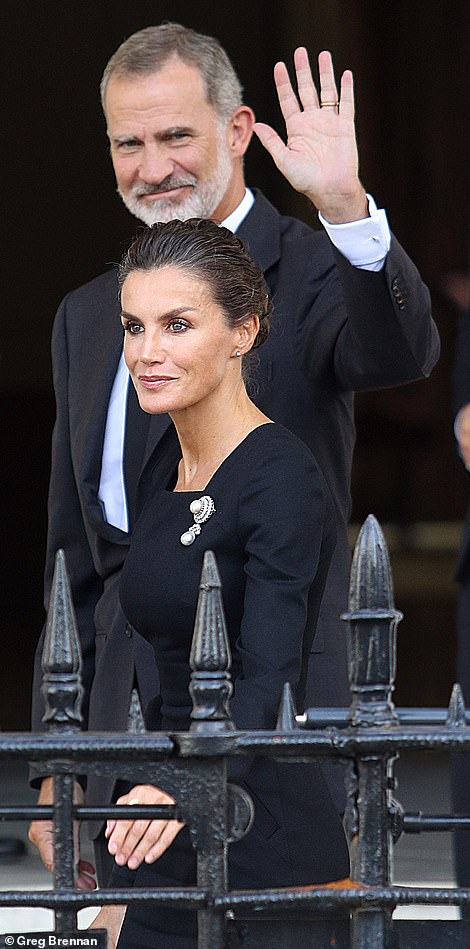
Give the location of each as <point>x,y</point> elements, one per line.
<point>62,690</point>
<point>210,689</point>
<point>372,662</point>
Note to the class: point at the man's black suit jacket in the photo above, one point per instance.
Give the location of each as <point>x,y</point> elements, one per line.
<point>335,329</point>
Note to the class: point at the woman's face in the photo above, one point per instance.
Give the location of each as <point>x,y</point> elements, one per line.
<point>178,347</point>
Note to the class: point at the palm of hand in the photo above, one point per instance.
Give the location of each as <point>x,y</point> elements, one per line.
<point>320,157</point>
<point>320,154</point>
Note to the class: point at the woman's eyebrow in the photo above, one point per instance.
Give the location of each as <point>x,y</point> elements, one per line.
<point>163,316</point>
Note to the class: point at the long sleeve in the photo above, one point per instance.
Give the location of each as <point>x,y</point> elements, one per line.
<point>354,329</point>
<point>286,528</point>
<point>366,330</point>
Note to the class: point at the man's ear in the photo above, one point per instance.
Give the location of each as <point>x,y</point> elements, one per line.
<point>240,130</point>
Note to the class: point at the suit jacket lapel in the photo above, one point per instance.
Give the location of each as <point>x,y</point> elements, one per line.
<point>101,354</point>
<point>261,232</point>
<point>159,424</point>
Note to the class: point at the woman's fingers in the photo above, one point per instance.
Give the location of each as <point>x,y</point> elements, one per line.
<point>157,839</point>
<point>126,837</point>
<point>131,842</point>
<point>167,837</point>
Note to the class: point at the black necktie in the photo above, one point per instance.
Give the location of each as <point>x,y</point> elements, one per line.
<point>137,425</point>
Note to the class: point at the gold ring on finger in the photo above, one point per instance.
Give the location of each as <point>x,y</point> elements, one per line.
<point>334,105</point>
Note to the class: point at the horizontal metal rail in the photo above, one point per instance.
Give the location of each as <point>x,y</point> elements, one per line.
<point>314,898</point>
<point>83,750</point>
<point>81,812</point>
<point>339,717</point>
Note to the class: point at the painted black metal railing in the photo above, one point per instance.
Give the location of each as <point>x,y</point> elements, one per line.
<point>192,767</point>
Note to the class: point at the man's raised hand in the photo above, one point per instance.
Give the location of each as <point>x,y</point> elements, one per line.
<point>319,158</point>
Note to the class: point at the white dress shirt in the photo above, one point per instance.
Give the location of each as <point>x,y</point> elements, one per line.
<point>364,243</point>
<point>112,491</point>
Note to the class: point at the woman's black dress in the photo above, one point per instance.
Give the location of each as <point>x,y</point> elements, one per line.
<point>273,534</point>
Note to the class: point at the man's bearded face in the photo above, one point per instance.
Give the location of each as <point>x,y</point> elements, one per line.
<point>170,148</point>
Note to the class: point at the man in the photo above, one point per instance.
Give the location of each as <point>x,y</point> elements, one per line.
<point>354,319</point>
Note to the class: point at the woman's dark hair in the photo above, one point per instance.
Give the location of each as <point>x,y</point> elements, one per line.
<point>210,253</point>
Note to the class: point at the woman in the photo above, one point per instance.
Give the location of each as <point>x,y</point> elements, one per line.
<point>194,306</point>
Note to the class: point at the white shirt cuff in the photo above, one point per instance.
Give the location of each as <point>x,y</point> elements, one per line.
<point>364,243</point>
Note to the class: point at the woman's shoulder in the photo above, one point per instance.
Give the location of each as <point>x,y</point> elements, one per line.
<point>280,486</point>
<point>273,460</point>
<point>272,443</point>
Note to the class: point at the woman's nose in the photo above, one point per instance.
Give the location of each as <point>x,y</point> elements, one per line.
<point>152,349</point>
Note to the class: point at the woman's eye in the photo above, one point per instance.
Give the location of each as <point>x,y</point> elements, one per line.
<point>178,326</point>
<point>133,328</point>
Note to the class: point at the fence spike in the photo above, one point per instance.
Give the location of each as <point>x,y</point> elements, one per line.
<point>456,712</point>
<point>372,621</point>
<point>210,658</point>
<point>210,650</point>
<point>286,714</point>
<point>61,657</point>
<point>371,585</point>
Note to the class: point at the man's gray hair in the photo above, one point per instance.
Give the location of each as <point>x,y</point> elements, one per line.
<point>146,51</point>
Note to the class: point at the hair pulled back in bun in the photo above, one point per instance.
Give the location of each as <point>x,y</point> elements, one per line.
<point>210,253</point>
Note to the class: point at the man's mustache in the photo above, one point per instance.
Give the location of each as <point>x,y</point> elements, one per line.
<point>168,184</point>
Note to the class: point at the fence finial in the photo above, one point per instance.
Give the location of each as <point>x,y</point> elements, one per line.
<point>61,658</point>
<point>456,713</point>
<point>372,621</point>
<point>210,659</point>
<point>286,713</point>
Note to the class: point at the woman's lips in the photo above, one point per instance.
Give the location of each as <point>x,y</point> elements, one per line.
<point>154,382</point>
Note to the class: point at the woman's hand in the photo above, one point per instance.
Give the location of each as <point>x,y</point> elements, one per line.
<point>134,841</point>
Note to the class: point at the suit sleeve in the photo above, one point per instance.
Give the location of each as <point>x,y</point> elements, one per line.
<point>362,330</point>
<point>286,528</point>
<point>66,528</point>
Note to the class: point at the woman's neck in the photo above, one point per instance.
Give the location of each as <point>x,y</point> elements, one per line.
<point>208,434</point>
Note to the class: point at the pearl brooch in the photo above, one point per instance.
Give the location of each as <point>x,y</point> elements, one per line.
<point>201,509</point>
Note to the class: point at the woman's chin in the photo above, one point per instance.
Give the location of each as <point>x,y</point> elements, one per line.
<point>154,403</point>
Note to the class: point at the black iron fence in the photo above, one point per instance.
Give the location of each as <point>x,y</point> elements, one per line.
<point>192,767</point>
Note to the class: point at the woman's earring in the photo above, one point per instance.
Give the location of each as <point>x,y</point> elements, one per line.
<point>238,353</point>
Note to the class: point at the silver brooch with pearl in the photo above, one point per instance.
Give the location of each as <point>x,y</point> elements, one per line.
<point>201,509</point>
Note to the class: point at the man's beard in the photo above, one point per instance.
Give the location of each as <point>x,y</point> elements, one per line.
<point>202,200</point>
